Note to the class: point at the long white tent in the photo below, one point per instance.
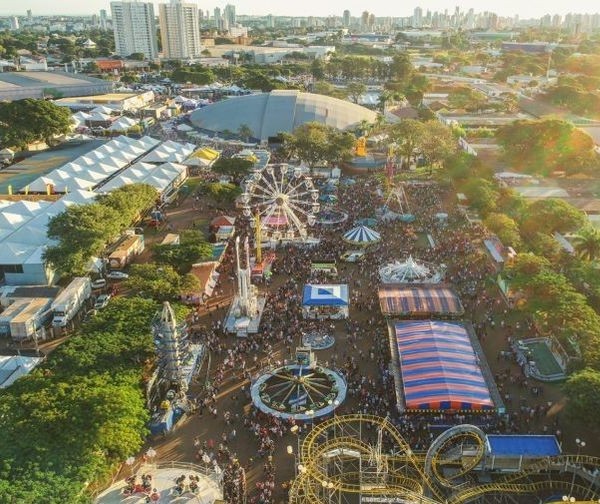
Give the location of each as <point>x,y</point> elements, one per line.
<point>90,170</point>
<point>164,177</point>
<point>23,236</point>
<point>170,152</point>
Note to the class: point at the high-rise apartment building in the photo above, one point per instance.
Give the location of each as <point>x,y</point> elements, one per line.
<point>229,15</point>
<point>103,19</point>
<point>418,17</point>
<point>134,28</point>
<point>218,19</point>
<point>179,29</point>
<point>346,18</point>
<point>14,23</point>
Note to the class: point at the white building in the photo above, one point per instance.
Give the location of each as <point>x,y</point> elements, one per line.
<point>134,28</point>
<point>179,30</point>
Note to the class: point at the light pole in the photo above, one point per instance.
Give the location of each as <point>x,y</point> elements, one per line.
<point>580,444</point>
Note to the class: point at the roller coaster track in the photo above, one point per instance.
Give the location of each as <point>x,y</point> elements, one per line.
<point>363,468</point>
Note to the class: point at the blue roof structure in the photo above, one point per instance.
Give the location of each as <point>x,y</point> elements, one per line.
<point>523,445</point>
<point>325,295</point>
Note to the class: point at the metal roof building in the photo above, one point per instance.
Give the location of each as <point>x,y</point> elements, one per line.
<point>20,85</point>
<point>268,114</point>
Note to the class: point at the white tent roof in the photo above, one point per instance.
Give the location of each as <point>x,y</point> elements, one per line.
<point>92,168</point>
<point>409,271</point>
<point>362,235</point>
<point>98,117</point>
<point>25,243</point>
<point>102,109</point>
<point>122,124</point>
<point>81,116</point>
<point>159,177</point>
<point>170,152</point>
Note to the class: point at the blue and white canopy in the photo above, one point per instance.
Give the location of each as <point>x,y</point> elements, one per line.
<point>362,235</point>
<point>325,295</point>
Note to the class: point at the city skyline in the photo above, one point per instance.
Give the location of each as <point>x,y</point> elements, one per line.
<point>381,8</point>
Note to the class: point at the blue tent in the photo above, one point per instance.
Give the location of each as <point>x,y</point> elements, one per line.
<point>325,295</point>
<point>328,198</point>
<point>362,235</point>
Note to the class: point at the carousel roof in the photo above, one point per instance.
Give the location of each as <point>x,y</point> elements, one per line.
<point>362,235</point>
<point>407,271</point>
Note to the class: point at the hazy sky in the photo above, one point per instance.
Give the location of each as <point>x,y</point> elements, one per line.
<point>525,9</point>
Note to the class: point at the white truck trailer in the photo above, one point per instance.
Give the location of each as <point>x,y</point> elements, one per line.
<point>69,301</point>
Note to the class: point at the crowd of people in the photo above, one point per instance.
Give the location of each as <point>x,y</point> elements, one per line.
<point>250,438</point>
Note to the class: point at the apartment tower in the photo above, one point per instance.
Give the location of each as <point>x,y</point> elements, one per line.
<point>134,28</point>
<point>179,30</point>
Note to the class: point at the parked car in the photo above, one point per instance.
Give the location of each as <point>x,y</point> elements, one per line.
<point>117,275</point>
<point>99,284</point>
<point>353,256</point>
<point>101,301</point>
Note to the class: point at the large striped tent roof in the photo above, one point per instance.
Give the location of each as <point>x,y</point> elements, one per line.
<point>362,235</point>
<point>419,300</point>
<point>439,367</point>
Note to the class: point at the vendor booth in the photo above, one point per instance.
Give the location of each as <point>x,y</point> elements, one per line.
<point>325,301</point>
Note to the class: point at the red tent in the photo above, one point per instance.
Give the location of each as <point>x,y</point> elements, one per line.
<point>222,220</point>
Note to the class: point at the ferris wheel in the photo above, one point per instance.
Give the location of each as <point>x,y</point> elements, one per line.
<point>284,199</point>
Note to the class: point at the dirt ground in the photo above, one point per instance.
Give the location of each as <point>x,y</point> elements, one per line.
<point>179,445</point>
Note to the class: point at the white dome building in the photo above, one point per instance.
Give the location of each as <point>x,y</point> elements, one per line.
<point>268,114</point>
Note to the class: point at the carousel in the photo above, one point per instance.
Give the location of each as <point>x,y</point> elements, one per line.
<point>411,271</point>
<point>318,340</point>
<point>301,390</point>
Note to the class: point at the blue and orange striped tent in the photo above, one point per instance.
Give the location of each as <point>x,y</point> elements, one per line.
<point>419,300</point>
<point>440,369</point>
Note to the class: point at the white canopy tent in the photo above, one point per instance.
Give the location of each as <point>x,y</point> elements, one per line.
<point>91,169</point>
<point>410,271</point>
<point>170,152</point>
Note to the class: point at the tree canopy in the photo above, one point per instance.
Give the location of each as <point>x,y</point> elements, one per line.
<point>191,249</point>
<point>71,420</point>
<point>318,143</point>
<point>83,231</point>
<point>545,146</point>
<point>27,121</point>
<point>159,282</point>
<point>551,215</point>
<point>583,404</point>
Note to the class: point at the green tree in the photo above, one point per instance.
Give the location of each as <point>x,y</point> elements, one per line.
<point>26,121</point>
<point>356,90</point>
<point>547,145</point>
<point>583,404</point>
<point>407,135</point>
<point>236,168</point>
<point>83,231</point>
<point>92,383</point>
<point>551,215</point>
<point>437,143</point>
<point>192,248</point>
<point>159,282</point>
<point>222,194</point>
<point>482,195</point>
<point>505,228</point>
<point>526,265</point>
<point>466,98</point>
<point>587,243</point>
<point>318,143</point>
<point>137,56</point>
<point>245,132</point>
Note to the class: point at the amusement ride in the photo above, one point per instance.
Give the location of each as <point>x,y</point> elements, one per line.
<point>284,199</point>
<point>300,390</point>
<point>364,458</point>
